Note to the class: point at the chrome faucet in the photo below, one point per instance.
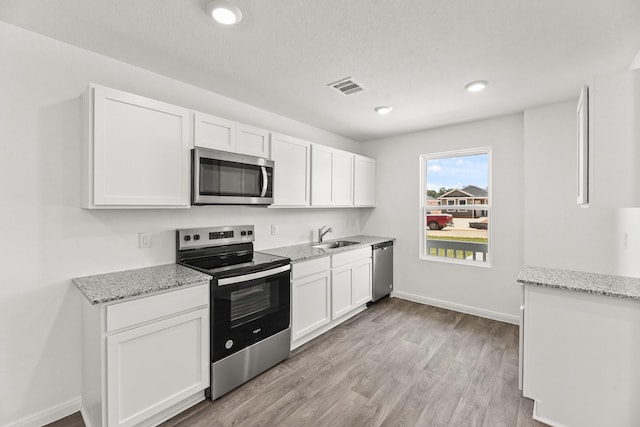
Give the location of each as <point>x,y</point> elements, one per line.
<point>322,233</point>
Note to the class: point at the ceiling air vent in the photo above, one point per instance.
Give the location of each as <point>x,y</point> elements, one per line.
<point>347,86</point>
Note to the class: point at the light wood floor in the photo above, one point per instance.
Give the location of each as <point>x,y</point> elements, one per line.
<point>398,363</point>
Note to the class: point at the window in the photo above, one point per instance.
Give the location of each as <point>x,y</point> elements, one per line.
<point>456,179</point>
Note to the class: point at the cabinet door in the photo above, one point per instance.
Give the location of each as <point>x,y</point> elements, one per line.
<point>614,138</point>
<point>342,178</point>
<point>153,367</point>
<point>364,181</point>
<point>292,171</point>
<point>311,304</point>
<point>361,283</point>
<point>214,132</point>
<point>341,296</point>
<point>581,357</point>
<point>252,141</point>
<point>140,152</point>
<point>321,175</point>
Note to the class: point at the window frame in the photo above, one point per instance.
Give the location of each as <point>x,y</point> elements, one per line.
<point>473,207</point>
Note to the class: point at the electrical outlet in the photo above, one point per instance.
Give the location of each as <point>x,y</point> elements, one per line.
<point>144,240</point>
<point>274,229</point>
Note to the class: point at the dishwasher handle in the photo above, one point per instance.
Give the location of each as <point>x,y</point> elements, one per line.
<point>382,245</point>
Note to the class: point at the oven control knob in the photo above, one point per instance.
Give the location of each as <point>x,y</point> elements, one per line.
<point>196,237</point>
<point>228,344</point>
<point>187,238</point>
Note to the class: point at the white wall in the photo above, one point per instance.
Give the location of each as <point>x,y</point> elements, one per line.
<point>558,233</point>
<point>490,292</point>
<point>48,238</point>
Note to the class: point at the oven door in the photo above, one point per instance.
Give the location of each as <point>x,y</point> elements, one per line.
<point>249,308</point>
<point>228,178</point>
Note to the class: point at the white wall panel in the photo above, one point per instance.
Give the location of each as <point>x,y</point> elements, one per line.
<point>557,232</point>
<point>485,291</point>
<point>49,239</point>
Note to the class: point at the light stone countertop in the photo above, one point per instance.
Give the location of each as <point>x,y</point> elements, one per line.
<point>580,281</point>
<point>306,251</point>
<point>102,288</point>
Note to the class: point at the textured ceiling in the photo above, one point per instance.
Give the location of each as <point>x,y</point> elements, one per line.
<point>415,55</point>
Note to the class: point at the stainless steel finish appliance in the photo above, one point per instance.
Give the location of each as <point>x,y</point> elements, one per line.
<point>222,178</point>
<point>382,269</point>
<point>250,302</point>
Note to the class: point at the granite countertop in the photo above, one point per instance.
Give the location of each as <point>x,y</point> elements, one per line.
<point>103,288</point>
<point>580,281</point>
<point>306,251</point>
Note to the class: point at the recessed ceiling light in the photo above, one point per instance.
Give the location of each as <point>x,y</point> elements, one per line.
<point>224,12</point>
<point>383,109</point>
<point>476,86</point>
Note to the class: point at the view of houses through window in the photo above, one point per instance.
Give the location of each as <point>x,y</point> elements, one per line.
<point>455,206</point>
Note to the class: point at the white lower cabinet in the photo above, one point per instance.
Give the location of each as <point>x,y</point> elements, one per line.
<point>327,291</point>
<point>361,282</point>
<point>581,357</point>
<point>350,280</point>
<point>312,304</point>
<point>341,301</point>
<point>146,359</point>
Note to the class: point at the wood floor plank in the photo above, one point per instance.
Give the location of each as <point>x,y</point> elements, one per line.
<point>380,404</point>
<point>408,409</point>
<point>73,420</point>
<point>398,363</point>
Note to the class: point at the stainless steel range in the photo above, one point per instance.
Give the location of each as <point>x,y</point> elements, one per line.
<point>250,302</point>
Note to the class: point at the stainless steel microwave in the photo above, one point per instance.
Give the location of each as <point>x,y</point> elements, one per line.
<point>222,178</point>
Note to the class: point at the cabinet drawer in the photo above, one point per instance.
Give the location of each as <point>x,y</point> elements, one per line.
<point>350,256</point>
<point>142,310</point>
<point>305,268</point>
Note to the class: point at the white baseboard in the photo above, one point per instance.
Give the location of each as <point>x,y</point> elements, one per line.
<point>488,314</point>
<point>49,415</point>
<point>315,334</point>
<point>536,416</point>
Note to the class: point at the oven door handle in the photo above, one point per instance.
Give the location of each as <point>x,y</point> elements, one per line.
<point>253,276</point>
<point>265,181</point>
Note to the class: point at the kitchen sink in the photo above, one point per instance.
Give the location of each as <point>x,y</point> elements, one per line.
<point>335,244</point>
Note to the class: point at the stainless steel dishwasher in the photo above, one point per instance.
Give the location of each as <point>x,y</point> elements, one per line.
<point>382,269</point>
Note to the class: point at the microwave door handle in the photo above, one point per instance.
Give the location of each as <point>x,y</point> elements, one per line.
<point>265,181</point>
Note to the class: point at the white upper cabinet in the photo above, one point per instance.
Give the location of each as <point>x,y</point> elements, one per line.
<point>222,134</point>
<point>137,151</point>
<point>214,132</point>
<point>321,175</point>
<point>342,178</point>
<point>252,141</point>
<point>364,181</point>
<point>613,141</point>
<point>331,176</point>
<point>292,171</point>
